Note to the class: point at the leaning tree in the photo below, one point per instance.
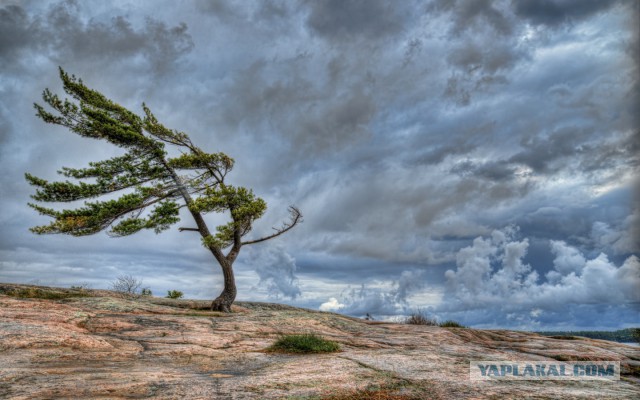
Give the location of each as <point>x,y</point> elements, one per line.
<point>153,185</point>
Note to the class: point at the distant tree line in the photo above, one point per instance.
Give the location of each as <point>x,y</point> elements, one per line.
<point>623,335</point>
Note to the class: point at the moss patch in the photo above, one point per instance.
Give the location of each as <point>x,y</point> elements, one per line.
<point>306,343</point>
<point>41,293</point>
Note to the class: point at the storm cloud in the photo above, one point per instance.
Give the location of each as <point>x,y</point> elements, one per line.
<point>410,134</point>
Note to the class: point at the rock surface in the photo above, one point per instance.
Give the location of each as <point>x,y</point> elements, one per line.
<point>94,344</point>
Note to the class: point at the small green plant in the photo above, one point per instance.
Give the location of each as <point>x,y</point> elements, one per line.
<point>174,294</point>
<point>450,324</point>
<point>305,343</point>
<point>419,317</point>
<point>82,286</point>
<point>146,292</point>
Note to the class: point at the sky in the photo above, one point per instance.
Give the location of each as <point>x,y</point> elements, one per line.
<point>472,160</point>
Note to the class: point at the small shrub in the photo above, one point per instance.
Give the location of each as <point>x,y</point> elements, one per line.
<point>419,317</point>
<point>82,286</point>
<point>450,324</point>
<point>146,292</point>
<point>174,294</point>
<point>306,343</point>
<point>127,285</point>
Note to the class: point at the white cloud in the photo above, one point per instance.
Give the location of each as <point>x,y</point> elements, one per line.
<point>491,275</point>
<point>332,305</point>
<point>568,259</point>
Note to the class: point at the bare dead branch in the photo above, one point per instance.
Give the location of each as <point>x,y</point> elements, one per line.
<point>128,285</point>
<point>188,229</point>
<point>295,218</point>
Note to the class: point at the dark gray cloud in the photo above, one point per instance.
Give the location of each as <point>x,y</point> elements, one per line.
<point>494,171</point>
<point>61,34</point>
<point>545,154</point>
<point>471,15</point>
<point>556,12</point>
<point>15,28</point>
<point>472,56</point>
<point>485,44</point>
<point>220,8</point>
<point>357,19</point>
<point>402,130</point>
<point>303,117</point>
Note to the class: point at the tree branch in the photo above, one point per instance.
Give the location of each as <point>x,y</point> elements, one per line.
<point>197,217</point>
<point>296,218</point>
<point>189,229</point>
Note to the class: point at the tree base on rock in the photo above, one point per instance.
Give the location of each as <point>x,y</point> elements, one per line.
<point>222,304</point>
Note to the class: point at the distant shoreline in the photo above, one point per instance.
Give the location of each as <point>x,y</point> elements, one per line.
<point>621,336</point>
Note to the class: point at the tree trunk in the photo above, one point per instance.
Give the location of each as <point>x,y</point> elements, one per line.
<point>226,298</point>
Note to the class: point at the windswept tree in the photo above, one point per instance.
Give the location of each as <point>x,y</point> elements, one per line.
<point>153,186</point>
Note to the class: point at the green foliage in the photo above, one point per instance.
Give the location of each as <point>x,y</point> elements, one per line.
<point>450,324</point>
<point>306,343</point>
<point>154,187</point>
<point>146,292</point>
<point>148,188</point>
<point>96,216</point>
<point>217,161</point>
<point>174,294</point>
<point>244,206</point>
<point>95,116</point>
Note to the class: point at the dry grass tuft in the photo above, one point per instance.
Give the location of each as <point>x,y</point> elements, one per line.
<point>419,317</point>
